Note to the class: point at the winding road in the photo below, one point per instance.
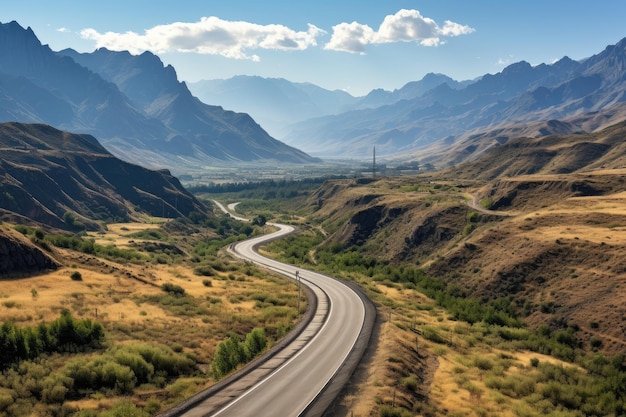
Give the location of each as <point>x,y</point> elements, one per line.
<point>304,376</point>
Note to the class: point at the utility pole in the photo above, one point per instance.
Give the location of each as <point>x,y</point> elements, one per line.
<point>374,164</point>
<point>298,280</point>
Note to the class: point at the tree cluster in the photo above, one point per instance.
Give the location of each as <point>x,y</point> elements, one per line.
<point>65,334</point>
<point>233,351</point>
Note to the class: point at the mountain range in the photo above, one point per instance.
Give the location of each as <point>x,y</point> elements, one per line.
<point>521,93</point>
<point>278,103</point>
<point>440,120</point>
<point>134,105</point>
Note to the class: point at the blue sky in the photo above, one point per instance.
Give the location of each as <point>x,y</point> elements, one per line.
<point>354,45</point>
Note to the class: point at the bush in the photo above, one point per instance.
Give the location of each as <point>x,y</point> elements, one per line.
<point>62,335</point>
<point>410,382</point>
<point>431,333</point>
<point>173,289</point>
<point>228,356</point>
<point>232,352</point>
<point>55,388</point>
<point>595,342</point>
<point>121,369</point>
<point>482,363</point>
<point>76,276</point>
<point>125,409</point>
<point>389,411</point>
<point>143,370</point>
<point>204,270</point>
<point>255,342</point>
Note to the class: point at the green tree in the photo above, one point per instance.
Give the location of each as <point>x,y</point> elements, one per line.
<point>228,356</point>
<point>69,219</point>
<point>259,220</point>
<point>255,342</point>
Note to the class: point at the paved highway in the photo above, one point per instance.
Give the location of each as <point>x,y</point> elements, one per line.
<point>288,383</point>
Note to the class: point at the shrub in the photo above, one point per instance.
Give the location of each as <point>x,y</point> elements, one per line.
<point>173,289</point>
<point>595,342</point>
<point>232,352</point>
<point>255,342</point>
<point>389,411</point>
<point>410,382</point>
<point>62,335</point>
<point>204,270</point>
<point>55,388</point>
<point>76,276</point>
<point>482,363</point>
<point>431,333</point>
<point>125,409</point>
<point>22,229</point>
<point>228,356</point>
<point>143,370</point>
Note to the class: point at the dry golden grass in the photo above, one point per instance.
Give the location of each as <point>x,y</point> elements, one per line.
<point>116,233</point>
<point>452,376</point>
<point>124,298</point>
<point>551,248</point>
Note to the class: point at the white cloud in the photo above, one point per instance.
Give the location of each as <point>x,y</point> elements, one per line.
<point>455,29</point>
<point>210,35</point>
<point>350,37</point>
<point>404,26</point>
<point>63,30</point>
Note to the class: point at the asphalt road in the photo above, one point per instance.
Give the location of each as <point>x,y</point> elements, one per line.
<point>288,383</point>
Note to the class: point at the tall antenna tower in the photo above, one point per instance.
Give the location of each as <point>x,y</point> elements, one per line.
<point>374,163</point>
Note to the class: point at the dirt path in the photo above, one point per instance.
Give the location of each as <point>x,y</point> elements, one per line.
<point>471,201</point>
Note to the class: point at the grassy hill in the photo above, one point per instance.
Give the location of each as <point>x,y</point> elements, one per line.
<point>70,181</point>
<point>537,221</point>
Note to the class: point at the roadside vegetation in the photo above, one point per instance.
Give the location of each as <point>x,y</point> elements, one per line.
<point>140,317</point>
<point>495,359</point>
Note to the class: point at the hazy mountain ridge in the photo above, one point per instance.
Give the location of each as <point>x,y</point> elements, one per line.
<point>46,173</point>
<point>278,103</point>
<point>145,118</point>
<point>274,102</point>
<point>521,93</point>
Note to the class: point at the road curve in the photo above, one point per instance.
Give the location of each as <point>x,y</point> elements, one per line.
<point>295,380</point>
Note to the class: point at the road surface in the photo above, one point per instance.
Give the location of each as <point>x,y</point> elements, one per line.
<point>289,383</point>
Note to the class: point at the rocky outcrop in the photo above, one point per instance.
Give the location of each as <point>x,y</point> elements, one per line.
<point>19,257</point>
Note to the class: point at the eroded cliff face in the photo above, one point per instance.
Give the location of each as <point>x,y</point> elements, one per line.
<point>19,257</point>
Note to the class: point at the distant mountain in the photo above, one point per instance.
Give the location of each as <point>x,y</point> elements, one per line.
<point>278,103</point>
<point>274,102</point>
<point>133,104</point>
<point>561,153</point>
<point>409,91</point>
<point>46,173</point>
<point>480,141</point>
<point>521,93</point>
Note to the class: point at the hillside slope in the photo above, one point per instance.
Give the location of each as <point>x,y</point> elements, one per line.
<point>197,130</point>
<point>19,256</point>
<point>46,173</point>
<point>550,242</point>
